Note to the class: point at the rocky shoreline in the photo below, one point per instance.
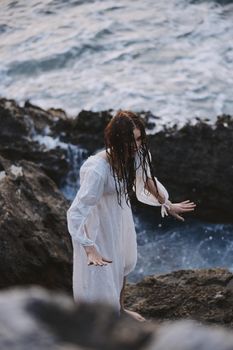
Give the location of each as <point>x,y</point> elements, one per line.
<point>35,248</point>
<point>194,162</point>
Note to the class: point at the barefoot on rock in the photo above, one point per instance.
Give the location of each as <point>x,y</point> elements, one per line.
<point>134,315</point>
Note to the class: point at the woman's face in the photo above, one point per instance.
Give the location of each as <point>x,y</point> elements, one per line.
<point>137,138</point>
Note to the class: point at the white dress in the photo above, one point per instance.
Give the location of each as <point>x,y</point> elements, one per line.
<point>95,217</point>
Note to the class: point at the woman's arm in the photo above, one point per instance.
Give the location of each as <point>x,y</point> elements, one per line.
<point>150,186</point>
<point>174,209</point>
<point>88,195</point>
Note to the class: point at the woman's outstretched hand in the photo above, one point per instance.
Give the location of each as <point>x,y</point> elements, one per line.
<point>179,208</point>
<point>94,257</point>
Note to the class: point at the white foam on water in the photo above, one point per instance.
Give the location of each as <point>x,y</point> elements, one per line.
<point>191,245</point>
<point>50,142</point>
<point>172,57</point>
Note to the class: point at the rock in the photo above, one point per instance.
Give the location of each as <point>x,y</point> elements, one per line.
<point>194,162</point>
<point>89,128</point>
<point>35,246</point>
<point>35,318</point>
<point>26,131</point>
<point>204,295</point>
<point>188,161</point>
<point>16,171</point>
<point>2,175</point>
<point>188,335</point>
<point>19,130</point>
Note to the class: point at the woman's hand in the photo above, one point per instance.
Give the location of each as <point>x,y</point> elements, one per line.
<point>178,208</point>
<point>94,257</point>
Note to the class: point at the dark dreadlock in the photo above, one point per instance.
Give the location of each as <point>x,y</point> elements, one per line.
<point>120,148</point>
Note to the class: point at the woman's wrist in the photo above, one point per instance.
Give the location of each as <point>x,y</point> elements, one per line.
<point>165,208</point>
<point>89,248</point>
<point>161,199</point>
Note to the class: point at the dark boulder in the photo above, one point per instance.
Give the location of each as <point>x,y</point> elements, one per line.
<point>20,132</point>
<point>35,246</point>
<point>196,163</point>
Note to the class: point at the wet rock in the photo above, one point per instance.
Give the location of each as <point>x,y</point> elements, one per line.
<point>203,295</point>
<point>196,163</point>
<point>88,130</point>
<point>19,131</point>
<point>35,246</point>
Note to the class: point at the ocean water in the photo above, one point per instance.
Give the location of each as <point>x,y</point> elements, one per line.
<point>164,244</point>
<point>172,57</point>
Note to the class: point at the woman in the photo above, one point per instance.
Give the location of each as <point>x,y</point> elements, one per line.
<point>100,218</point>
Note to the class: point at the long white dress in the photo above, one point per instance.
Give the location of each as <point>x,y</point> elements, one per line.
<point>95,217</point>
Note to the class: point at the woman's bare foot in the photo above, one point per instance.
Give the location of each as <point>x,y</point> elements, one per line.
<point>134,315</point>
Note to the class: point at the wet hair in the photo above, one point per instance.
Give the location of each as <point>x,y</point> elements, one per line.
<point>120,148</point>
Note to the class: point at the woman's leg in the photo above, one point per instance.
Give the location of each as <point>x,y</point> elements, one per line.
<point>133,314</point>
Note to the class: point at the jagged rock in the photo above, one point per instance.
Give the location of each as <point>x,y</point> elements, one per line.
<point>18,130</point>
<point>88,129</point>
<point>194,162</point>
<point>35,246</point>
<point>37,319</point>
<point>204,295</point>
